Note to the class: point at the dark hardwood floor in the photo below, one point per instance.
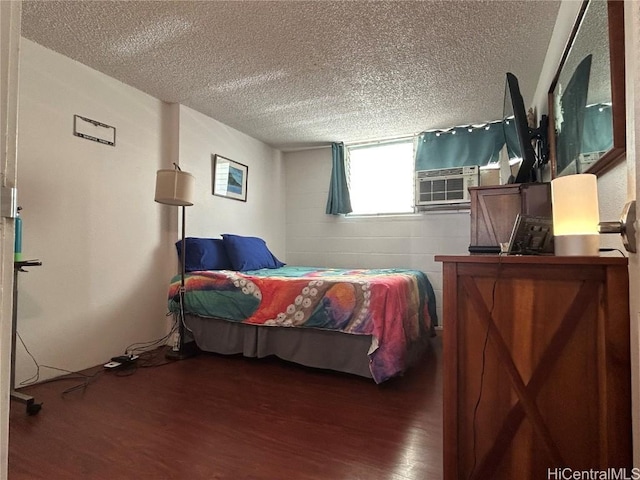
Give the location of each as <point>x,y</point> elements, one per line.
<point>216,417</point>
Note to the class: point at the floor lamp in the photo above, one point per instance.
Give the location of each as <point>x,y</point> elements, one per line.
<point>175,187</point>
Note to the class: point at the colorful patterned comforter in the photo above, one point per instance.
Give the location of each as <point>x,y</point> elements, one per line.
<point>396,307</point>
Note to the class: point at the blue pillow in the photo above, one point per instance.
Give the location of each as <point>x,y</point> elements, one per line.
<point>249,253</point>
<point>204,254</point>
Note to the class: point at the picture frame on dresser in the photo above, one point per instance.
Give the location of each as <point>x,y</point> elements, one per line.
<point>531,235</point>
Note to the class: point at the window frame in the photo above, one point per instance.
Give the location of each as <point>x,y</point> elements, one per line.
<point>380,143</point>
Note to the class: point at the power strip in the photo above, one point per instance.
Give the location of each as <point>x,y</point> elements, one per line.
<point>124,358</point>
<point>121,361</point>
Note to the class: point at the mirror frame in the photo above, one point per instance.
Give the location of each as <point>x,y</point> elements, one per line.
<point>615,18</point>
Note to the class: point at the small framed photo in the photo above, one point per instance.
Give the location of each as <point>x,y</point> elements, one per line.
<point>531,235</point>
<point>229,178</point>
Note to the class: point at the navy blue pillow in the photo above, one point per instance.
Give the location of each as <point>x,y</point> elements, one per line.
<point>249,253</point>
<point>204,254</point>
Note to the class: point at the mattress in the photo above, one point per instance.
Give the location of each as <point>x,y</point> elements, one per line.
<point>393,308</point>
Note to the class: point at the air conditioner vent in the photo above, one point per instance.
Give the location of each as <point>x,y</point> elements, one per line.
<point>445,185</point>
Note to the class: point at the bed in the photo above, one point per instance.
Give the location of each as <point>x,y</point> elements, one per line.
<point>373,323</point>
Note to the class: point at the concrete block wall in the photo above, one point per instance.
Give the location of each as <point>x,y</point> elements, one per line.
<point>387,241</point>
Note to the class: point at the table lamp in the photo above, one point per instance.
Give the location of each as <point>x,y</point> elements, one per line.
<point>575,215</point>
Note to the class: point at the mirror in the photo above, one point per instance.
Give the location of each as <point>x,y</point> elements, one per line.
<point>586,100</point>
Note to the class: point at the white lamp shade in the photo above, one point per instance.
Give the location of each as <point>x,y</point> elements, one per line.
<point>575,204</point>
<point>575,214</point>
<point>175,187</point>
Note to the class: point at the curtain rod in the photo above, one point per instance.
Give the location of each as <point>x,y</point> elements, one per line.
<point>472,125</point>
<point>381,141</point>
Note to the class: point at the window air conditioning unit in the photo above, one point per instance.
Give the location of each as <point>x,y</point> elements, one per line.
<point>446,185</point>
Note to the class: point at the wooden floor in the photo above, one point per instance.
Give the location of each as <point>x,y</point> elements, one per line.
<point>216,417</point>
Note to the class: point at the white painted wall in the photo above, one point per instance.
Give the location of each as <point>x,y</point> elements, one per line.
<point>107,248</point>
<point>567,14</point>
<point>89,216</point>
<point>612,196</point>
<point>317,239</point>
<point>263,214</point>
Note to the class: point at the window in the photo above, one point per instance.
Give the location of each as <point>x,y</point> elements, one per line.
<point>381,177</point>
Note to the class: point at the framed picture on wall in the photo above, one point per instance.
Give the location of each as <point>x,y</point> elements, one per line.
<point>229,178</point>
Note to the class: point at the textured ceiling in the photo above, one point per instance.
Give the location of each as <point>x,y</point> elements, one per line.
<point>302,73</point>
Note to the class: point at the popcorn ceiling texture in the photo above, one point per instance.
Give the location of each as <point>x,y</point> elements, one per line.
<point>303,73</point>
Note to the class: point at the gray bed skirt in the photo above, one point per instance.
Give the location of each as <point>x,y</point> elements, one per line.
<point>316,348</point>
<point>310,347</point>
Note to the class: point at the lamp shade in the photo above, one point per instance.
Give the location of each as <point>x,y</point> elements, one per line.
<point>575,214</point>
<point>175,187</point>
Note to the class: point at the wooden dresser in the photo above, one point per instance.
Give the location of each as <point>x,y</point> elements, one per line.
<point>536,365</point>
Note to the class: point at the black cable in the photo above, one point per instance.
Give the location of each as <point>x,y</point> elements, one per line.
<point>482,369</point>
<point>126,370</point>
<point>613,250</point>
<point>83,385</point>
<point>141,347</point>
<point>85,379</point>
<point>150,359</point>
<point>70,375</point>
<point>148,352</point>
<point>147,358</point>
<point>36,376</point>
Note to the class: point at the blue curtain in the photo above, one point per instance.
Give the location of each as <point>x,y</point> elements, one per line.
<point>339,201</point>
<point>460,146</point>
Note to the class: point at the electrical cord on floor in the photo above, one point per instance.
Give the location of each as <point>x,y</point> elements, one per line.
<point>147,355</point>
<point>69,375</point>
<point>482,368</point>
<point>149,359</point>
<point>148,352</point>
<point>83,386</point>
<point>152,359</point>
<point>140,347</point>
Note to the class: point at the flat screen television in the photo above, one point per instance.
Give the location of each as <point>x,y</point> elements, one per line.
<point>519,136</point>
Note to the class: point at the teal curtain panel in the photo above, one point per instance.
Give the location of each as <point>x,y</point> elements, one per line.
<point>339,201</point>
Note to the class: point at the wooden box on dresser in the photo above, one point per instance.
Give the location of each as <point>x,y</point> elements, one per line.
<point>536,366</point>
<point>494,209</point>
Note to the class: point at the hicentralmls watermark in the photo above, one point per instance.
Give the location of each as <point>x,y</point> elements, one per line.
<point>608,474</point>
